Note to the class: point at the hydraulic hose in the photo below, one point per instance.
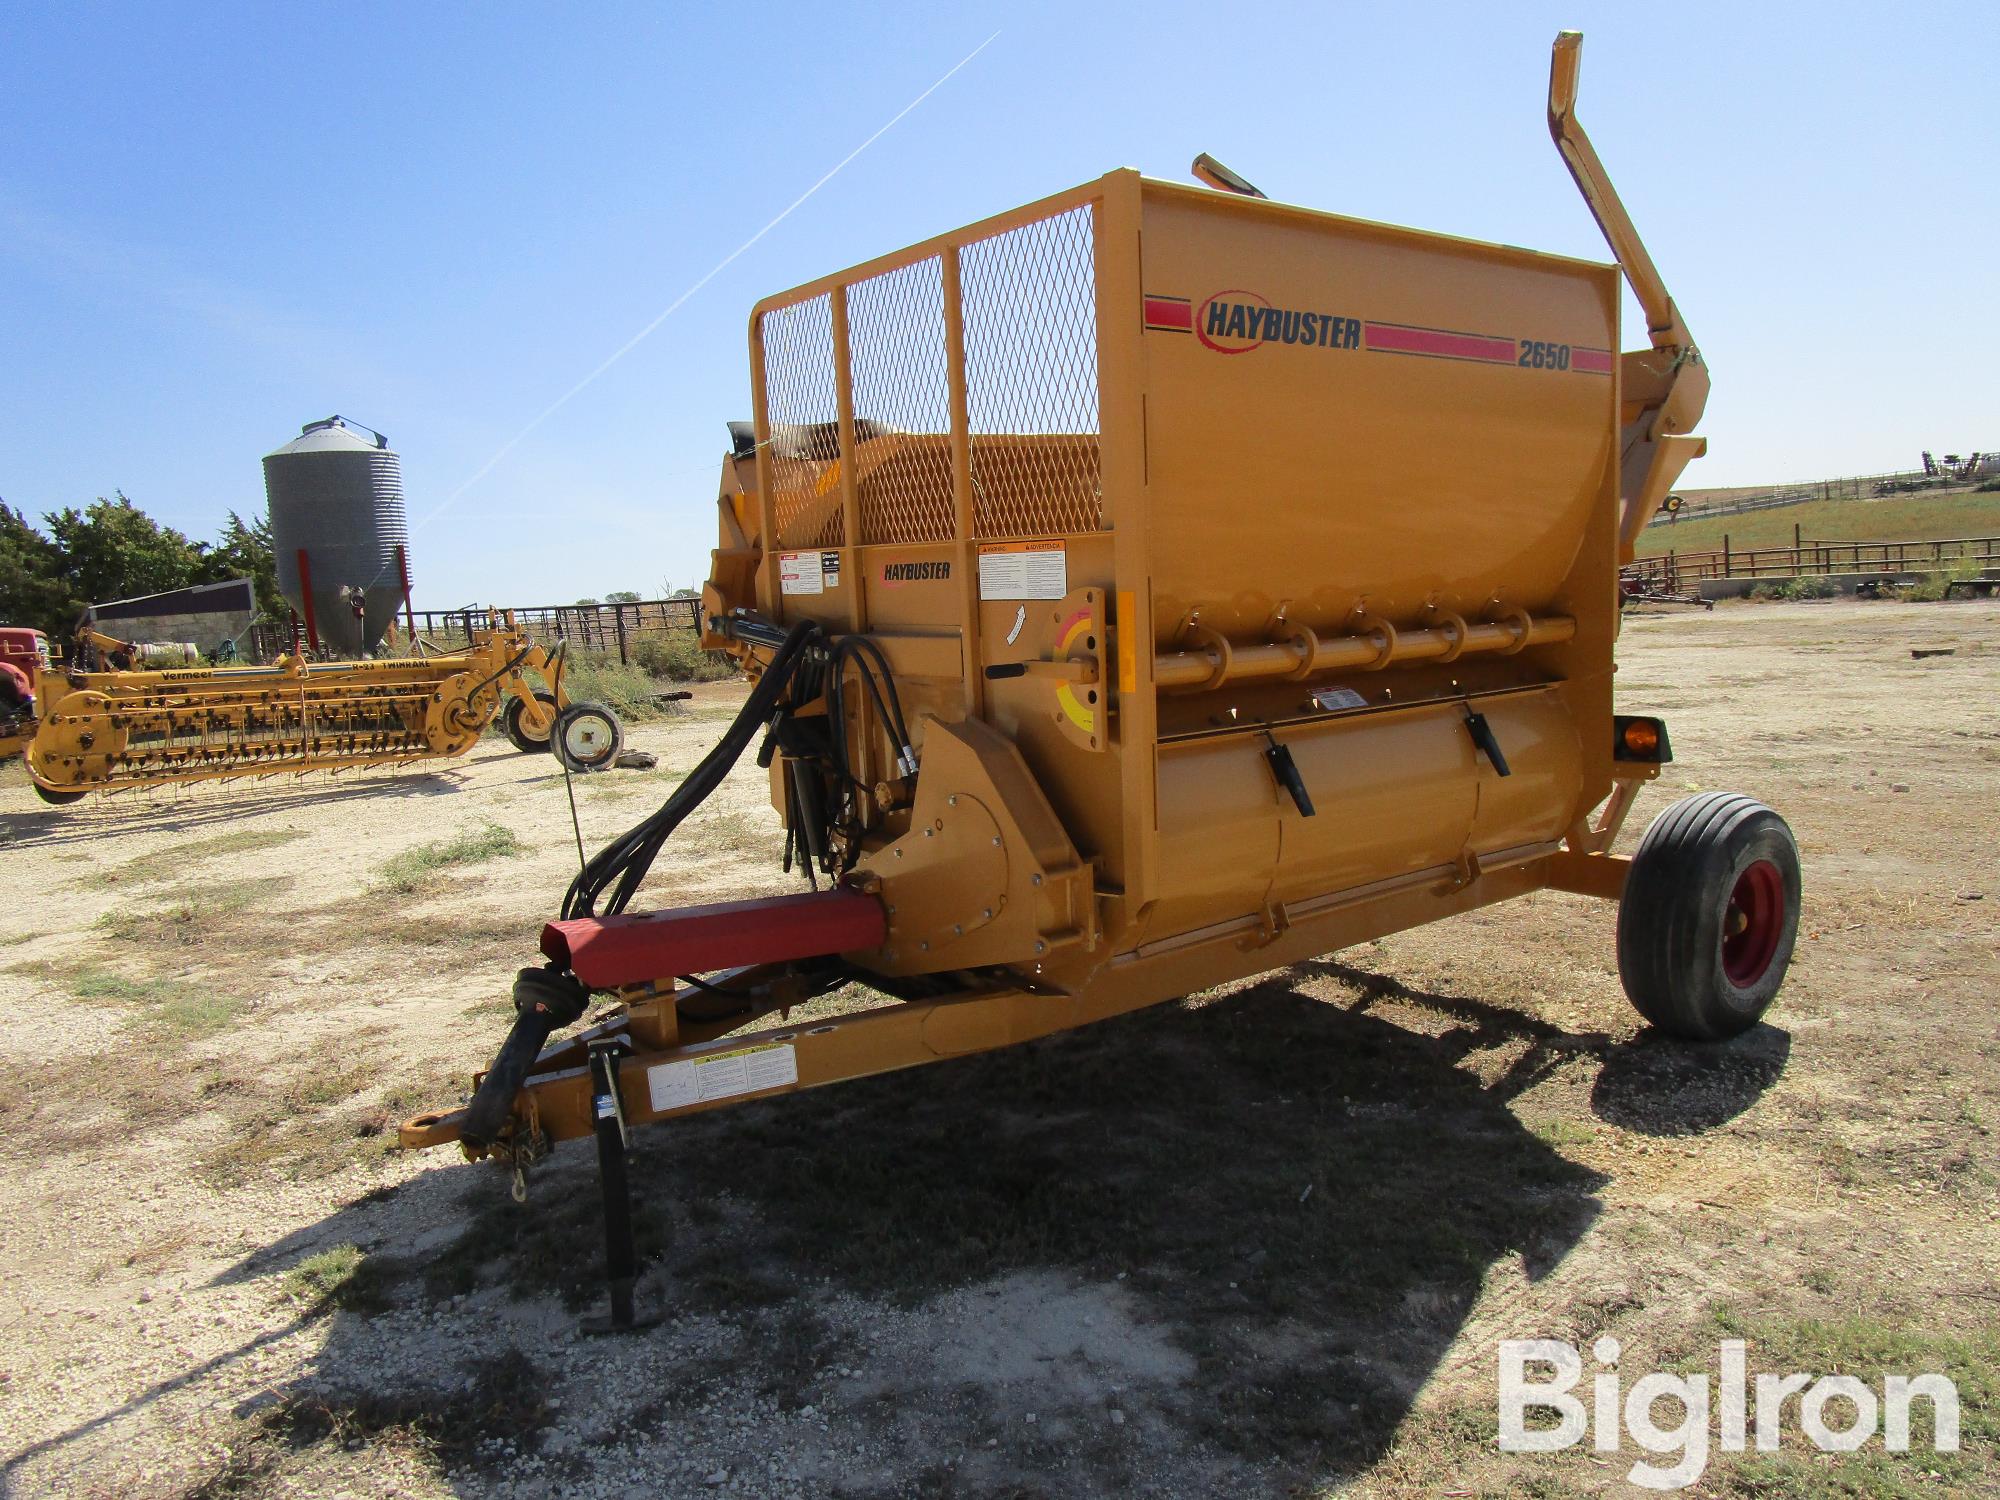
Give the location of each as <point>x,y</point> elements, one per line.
<point>546,1000</point>
<point>622,864</point>
<point>863,652</point>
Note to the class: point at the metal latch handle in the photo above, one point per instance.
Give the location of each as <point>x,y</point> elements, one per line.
<point>1286,770</point>
<point>1081,669</point>
<point>1483,737</point>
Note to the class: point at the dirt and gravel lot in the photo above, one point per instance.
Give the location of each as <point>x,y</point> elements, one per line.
<point>1264,1241</point>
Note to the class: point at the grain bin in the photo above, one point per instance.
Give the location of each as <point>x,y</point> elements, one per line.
<point>336,496</point>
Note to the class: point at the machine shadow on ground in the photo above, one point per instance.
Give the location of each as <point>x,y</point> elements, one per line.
<point>99,817</point>
<point>1650,1083</point>
<point>1303,1200</point>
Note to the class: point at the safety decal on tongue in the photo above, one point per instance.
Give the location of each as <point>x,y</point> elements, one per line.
<point>748,1070</point>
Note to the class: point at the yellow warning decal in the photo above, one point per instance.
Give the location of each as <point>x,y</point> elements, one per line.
<point>1128,649</point>
<point>1079,715</point>
<point>1072,630</point>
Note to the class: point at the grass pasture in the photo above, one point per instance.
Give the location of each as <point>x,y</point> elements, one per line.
<point>1920,517</point>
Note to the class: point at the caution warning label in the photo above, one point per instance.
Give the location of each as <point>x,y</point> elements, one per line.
<point>1023,570</point>
<point>801,573</point>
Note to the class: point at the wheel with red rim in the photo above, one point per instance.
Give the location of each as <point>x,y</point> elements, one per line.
<point>1709,916</point>
<point>1753,923</point>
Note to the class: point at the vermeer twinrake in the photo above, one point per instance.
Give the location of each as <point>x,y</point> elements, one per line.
<point>1124,626</point>
<point>107,728</point>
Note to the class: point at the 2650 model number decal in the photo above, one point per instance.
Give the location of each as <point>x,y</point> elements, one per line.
<point>1536,355</point>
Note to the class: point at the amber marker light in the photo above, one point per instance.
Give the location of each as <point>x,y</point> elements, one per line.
<point>1640,739</point>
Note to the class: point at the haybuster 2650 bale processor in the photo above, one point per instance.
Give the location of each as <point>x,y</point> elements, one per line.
<point>1146,588</point>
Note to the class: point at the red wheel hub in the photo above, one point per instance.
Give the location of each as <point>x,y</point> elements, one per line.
<point>1753,923</point>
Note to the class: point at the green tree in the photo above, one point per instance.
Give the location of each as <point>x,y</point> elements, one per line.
<point>245,552</point>
<point>111,549</point>
<point>621,596</point>
<point>32,592</point>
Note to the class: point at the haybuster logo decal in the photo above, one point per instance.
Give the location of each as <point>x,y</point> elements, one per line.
<point>896,573</point>
<point>1238,320</point>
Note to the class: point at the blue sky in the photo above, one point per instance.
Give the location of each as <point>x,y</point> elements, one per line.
<point>220,221</point>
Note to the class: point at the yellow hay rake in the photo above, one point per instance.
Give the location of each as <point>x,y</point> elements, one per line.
<point>118,730</point>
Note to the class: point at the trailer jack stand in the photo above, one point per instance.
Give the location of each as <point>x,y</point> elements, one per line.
<point>621,1258</point>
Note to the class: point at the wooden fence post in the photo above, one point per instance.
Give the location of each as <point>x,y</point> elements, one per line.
<point>618,619</point>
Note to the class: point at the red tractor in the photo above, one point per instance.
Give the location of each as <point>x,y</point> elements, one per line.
<point>24,657</point>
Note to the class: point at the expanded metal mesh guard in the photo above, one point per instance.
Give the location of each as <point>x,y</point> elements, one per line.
<point>902,404</point>
<point>1031,377</point>
<point>1028,299</point>
<point>801,402</point>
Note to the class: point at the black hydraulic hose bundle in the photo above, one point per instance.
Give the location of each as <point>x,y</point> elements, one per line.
<point>802,668</point>
<point>823,795</point>
<point>623,863</point>
<point>545,1000</point>
<point>805,665</point>
<point>869,660</point>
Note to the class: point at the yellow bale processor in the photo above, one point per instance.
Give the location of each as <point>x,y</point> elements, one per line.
<point>1146,588</point>
<point>104,727</point>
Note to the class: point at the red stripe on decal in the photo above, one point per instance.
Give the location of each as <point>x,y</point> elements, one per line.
<point>1169,312</point>
<point>1395,338</point>
<point>1591,361</point>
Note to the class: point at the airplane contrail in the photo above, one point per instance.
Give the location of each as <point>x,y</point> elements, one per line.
<point>671,308</point>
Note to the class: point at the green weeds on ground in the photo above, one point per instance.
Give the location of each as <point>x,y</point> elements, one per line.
<point>1935,586</point>
<point>417,869</point>
<point>342,1278</point>
<point>179,1008</point>
<point>168,863</point>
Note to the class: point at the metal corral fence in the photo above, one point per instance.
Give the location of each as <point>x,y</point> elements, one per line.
<point>1678,572</point>
<point>608,628</point>
<point>589,627</point>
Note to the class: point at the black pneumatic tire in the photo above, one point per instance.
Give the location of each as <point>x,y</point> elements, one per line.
<point>587,738</point>
<point>1709,916</point>
<point>510,722</point>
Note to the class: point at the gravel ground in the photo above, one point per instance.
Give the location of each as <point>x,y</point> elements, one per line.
<point>1261,1242</point>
